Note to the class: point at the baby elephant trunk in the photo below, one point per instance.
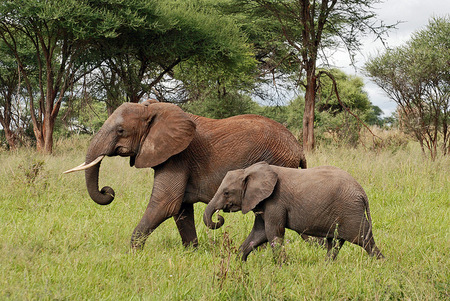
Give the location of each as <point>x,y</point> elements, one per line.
<point>207,218</point>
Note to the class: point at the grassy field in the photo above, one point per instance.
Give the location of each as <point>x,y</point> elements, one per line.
<point>56,243</point>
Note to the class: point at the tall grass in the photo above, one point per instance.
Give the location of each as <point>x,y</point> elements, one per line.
<point>56,243</point>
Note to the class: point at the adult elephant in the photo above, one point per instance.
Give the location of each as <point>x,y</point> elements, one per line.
<point>189,154</point>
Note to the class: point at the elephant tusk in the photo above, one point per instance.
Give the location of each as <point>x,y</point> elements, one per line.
<point>84,165</point>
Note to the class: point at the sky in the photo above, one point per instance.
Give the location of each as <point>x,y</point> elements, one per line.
<point>414,15</point>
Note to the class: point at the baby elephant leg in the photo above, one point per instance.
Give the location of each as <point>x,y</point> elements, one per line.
<point>333,247</point>
<point>256,238</point>
<point>275,235</point>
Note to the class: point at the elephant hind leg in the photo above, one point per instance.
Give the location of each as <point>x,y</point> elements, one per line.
<point>186,225</point>
<point>364,238</point>
<point>333,246</point>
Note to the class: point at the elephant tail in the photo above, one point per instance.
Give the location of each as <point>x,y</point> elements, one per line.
<point>302,164</point>
<point>369,218</point>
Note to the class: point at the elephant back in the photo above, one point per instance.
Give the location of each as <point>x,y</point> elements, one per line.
<point>247,139</point>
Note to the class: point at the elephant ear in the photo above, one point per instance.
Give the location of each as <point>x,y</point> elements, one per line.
<point>170,131</point>
<point>259,183</point>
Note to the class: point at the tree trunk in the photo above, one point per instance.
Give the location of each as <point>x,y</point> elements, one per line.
<point>48,135</point>
<point>5,122</point>
<point>11,139</point>
<point>308,116</point>
<point>40,142</point>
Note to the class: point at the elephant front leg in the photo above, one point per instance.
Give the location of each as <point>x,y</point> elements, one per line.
<point>256,237</point>
<point>166,201</point>
<point>275,230</point>
<point>153,217</point>
<point>186,225</point>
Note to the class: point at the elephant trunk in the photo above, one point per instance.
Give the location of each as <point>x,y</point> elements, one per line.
<point>106,195</point>
<point>207,218</point>
<point>102,197</point>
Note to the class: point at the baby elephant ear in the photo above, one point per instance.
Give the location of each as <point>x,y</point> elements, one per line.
<point>170,131</point>
<point>259,183</point>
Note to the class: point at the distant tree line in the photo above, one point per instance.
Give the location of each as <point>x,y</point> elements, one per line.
<point>66,64</point>
<point>332,121</point>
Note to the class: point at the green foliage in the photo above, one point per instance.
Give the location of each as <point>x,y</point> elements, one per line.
<point>279,113</point>
<point>81,116</point>
<point>189,33</point>
<point>204,80</point>
<point>222,106</point>
<point>203,33</point>
<point>333,124</point>
<point>330,25</point>
<point>125,50</point>
<point>50,31</point>
<point>264,33</point>
<point>56,243</point>
<point>351,92</point>
<point>136,42</point>
<point>373,117</point>
<point>331,127</point>
<point>306,29</point>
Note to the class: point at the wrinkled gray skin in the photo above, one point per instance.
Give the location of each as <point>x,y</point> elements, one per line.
<point>189,154</point>
<point>323,202</point>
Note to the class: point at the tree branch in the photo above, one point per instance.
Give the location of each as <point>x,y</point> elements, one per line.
<point>342,104</point>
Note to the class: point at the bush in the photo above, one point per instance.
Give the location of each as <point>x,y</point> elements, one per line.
<point>222,106</point>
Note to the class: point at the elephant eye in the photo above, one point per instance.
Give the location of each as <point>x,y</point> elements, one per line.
<point>226,193</point>
<point>120,131</point>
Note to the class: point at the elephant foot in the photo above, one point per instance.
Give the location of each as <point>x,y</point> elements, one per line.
<point>134,248</point>
<point>191,244</point>
<point>138,241</point>
<point>186,225</point>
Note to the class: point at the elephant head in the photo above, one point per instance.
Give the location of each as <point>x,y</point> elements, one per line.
<point>148,133</point>
<point>241,189</point>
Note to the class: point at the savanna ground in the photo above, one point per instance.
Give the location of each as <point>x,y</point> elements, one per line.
<point>56,243</point>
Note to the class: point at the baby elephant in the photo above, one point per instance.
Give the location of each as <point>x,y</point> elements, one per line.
<point>323,202</point>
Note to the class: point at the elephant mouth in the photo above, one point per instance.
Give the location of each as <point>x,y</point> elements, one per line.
<point>230,208</point>
<point>127,153</point>
<point>124,151</point>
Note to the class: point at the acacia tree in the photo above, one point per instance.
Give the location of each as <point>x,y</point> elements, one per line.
<point>309,28</point>
<point>191,33</point>
<point>141,41</point>
<point>57,33</point>
<point>417,77</point>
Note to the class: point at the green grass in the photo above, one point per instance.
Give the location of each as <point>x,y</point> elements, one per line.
<point>56,243</point>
